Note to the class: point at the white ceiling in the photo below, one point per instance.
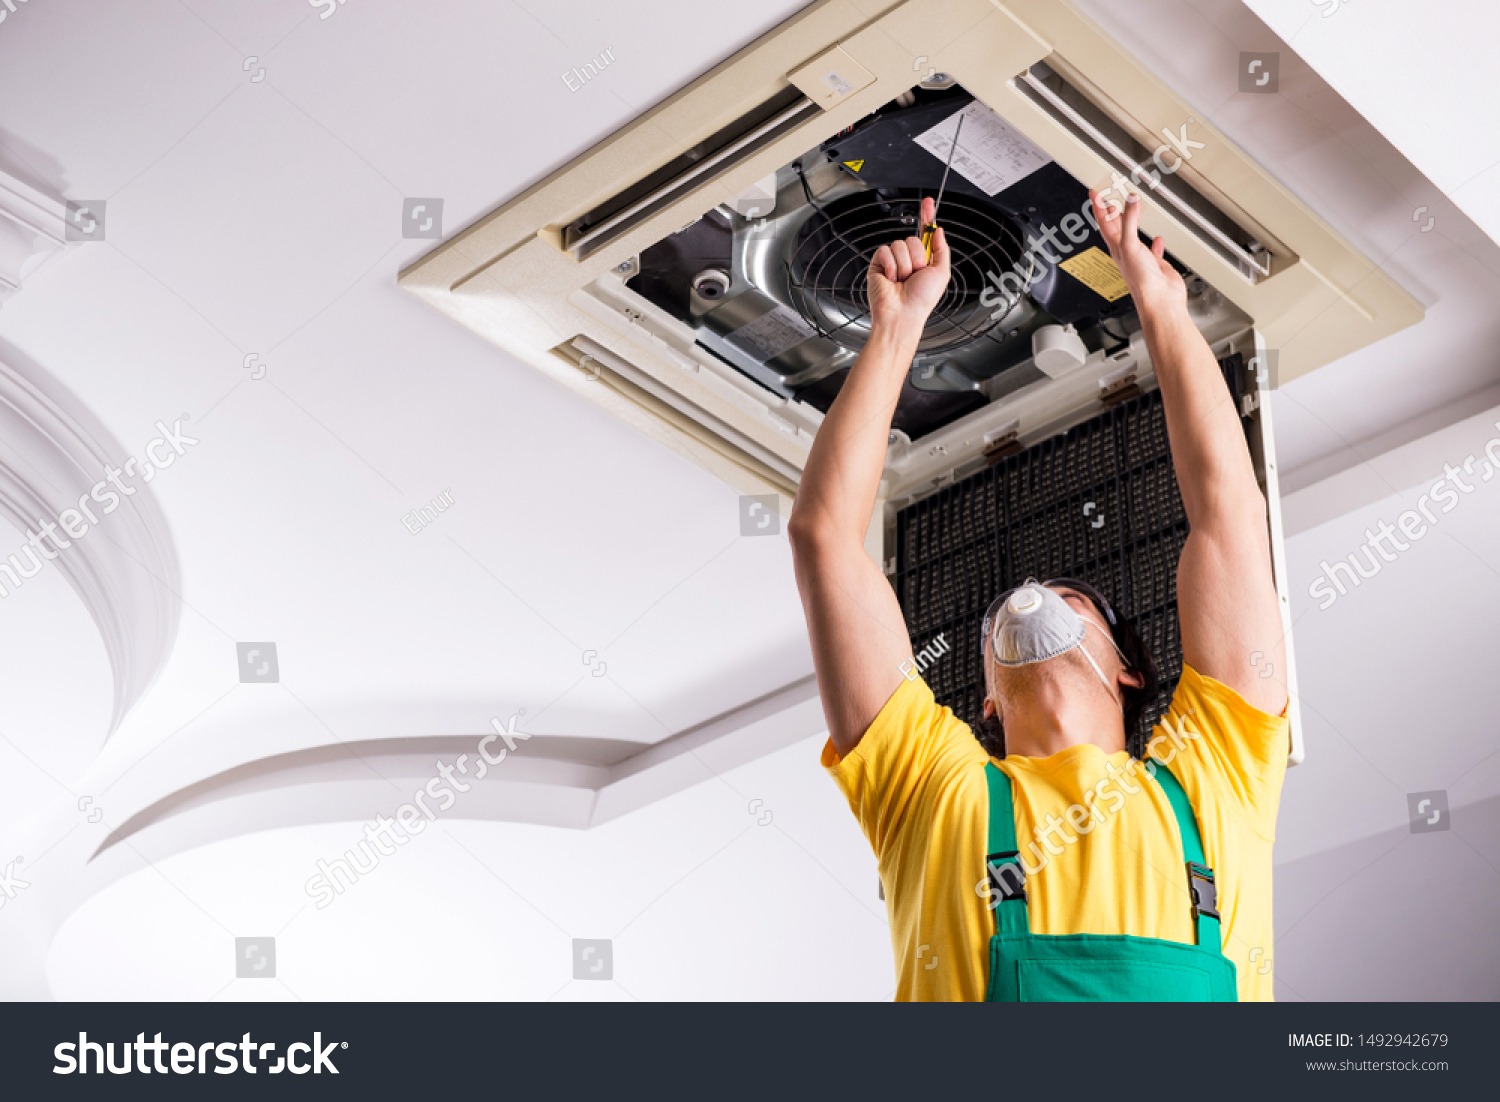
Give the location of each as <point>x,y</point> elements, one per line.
<point>1419,75</point>
<point>263,218</point>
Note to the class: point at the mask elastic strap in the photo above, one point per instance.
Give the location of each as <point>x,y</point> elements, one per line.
<point>1119,703</point>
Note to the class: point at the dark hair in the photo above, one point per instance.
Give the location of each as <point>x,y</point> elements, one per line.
<point>991,734</point>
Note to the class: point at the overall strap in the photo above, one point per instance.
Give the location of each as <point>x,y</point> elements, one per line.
<point>1002,861</point>
<point>1201,889</point>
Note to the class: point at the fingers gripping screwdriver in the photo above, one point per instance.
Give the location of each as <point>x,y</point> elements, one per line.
<point>931,227</point>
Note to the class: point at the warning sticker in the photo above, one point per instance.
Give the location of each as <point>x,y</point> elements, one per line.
<point>991,155</point>
<point>771,334</point>
<point>855,166</point>
<point>1097,271</point>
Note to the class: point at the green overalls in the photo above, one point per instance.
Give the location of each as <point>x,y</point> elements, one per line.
<point>1027,967</point>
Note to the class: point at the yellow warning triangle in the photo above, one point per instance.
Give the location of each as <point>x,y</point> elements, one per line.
<point>854,166</point>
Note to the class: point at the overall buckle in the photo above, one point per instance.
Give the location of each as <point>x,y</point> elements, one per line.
<point>1201,887</point>
<point>1016,888</point>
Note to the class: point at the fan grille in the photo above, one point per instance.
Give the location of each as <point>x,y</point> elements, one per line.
<point>829,267</point>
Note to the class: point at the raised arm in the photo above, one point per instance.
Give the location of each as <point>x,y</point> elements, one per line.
<point>1226,595</point>
<point>858,635</point>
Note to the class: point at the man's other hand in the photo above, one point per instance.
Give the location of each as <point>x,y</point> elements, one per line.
<point>904,286</point>
<point>1154,284</point>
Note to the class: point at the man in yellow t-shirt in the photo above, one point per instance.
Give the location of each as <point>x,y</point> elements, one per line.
<point>1095,831</point>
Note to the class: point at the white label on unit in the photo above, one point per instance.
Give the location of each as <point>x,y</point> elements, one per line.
<point>771,334</point>
<point>991,155</point>
<point>839,85</point>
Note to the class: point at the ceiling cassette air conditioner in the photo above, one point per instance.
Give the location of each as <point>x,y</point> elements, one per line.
<point>701,274</point>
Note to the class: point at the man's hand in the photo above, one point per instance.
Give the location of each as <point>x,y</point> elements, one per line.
<point>1154,284</point>
<point>903,285</point>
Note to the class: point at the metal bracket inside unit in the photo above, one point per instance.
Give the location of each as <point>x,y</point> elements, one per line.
<point>1002,441</point>
<point>1249,256</point>
<point>1118,386</point>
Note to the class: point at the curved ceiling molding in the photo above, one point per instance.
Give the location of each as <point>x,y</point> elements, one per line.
<point>32,227</point>
<point>552,780</point>
<point>53,453</point>
<point>556,780</point>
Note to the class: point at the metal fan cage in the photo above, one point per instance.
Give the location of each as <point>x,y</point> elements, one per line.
<point>828,270</point>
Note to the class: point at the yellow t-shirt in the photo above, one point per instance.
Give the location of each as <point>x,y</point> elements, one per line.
<point>1112,865</point>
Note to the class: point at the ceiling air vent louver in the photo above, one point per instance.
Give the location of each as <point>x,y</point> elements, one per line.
<point>1158,167</point>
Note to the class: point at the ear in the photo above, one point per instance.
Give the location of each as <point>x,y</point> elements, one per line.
<point>989,707</point>
<point>1134,678</point>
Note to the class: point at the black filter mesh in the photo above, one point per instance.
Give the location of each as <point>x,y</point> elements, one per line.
<point>1099,502</point>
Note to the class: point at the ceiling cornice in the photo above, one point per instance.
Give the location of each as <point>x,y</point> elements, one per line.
<point>53,452</point>
<point>32,227</point>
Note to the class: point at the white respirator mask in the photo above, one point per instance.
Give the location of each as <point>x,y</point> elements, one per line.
<point>1034,624</point>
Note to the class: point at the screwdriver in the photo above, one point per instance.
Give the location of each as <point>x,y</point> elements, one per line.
<point>931,227</point>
